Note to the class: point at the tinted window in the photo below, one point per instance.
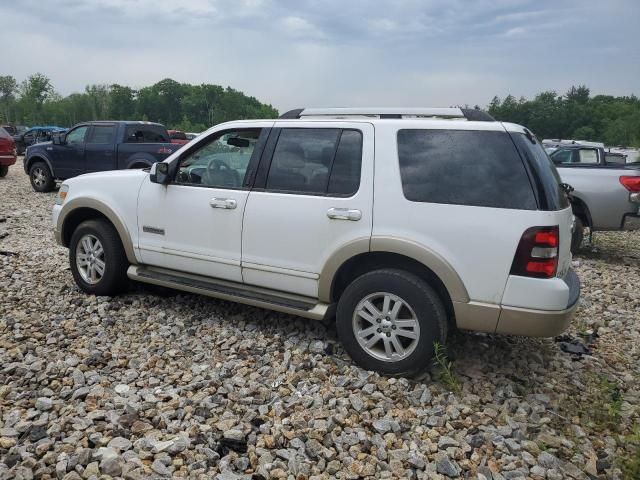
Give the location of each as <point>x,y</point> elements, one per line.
<point>302,159</point>
<point>222,162</point>
<point>102,134</point>
<point>77,135</point>
<point>316,161</point>
<point>11,130</point>
<point>146,134</point>
<point>551,195</point>
<point>463,167</point>
<point>345,172</point>
<point>4,133</point>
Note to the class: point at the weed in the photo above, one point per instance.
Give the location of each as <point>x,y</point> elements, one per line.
<point>446,375</point>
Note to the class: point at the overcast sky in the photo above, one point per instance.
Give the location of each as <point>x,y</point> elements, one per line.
<point>294,53</point>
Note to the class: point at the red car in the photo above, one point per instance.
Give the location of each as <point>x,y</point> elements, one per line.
<point>7,152</point>
<point>178,137</point>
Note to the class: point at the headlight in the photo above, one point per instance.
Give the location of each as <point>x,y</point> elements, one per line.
<point>62,194</point>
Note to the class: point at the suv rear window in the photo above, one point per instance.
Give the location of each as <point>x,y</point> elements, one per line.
<point>551,195</point>
<point>463,167</point>
<point>147,134</point>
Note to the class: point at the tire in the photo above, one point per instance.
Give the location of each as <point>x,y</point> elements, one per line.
<point>41,177</point>
<point>4,169</point>
<point>113,278</point>
<point>418,300</point>
<point>577,235</point>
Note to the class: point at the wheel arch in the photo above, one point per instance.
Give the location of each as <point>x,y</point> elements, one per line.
<point>360,257</point>
<point>580,209</point>
<point>140,160</point>
<point>39,158</point>
<point>80,210</point>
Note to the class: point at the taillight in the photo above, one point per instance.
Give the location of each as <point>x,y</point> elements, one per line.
<point>537,253</point>
<point>631,183</point>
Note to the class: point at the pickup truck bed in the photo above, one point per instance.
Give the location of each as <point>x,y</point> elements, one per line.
<point>606,196</point>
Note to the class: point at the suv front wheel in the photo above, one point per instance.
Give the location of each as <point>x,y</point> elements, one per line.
<point>97,259</point>
<point>388,321</point>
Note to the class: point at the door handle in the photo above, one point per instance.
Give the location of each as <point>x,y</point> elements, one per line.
<point>226,203</point>
<point>344,214</point>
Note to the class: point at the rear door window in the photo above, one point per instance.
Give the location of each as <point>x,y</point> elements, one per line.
<point>102,134</point>
<point>146,134</point>
<point>463,167</point>
<point>317,161</point>
<point>588,156</point>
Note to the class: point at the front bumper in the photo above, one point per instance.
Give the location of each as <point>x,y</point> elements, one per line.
<point>55,214</point>
<point>540,323</point>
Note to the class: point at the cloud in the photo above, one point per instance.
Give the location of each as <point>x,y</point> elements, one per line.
<point>295,53</point>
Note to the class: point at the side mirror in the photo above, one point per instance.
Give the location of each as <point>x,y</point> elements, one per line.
<point>58,139</point>
<point>159,173</point>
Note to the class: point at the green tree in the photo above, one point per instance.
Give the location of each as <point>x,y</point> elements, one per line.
<point>8,86</point>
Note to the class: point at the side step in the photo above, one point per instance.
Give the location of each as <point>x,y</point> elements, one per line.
<point>235,292</point>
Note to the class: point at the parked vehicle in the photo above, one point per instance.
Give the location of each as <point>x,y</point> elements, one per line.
<point>94,147</point>
<point>606,194</point>
<point>403,223</point>
<point>35,135</point>
<point>178,137</point>
<point>10,129</point>
<point>7,152</point>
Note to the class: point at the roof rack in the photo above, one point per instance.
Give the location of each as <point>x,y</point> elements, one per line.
<point>390,112</point>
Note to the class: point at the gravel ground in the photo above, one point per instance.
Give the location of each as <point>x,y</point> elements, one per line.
<point>160,384</point>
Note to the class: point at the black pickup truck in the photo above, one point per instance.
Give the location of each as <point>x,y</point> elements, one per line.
<point>94,147</point>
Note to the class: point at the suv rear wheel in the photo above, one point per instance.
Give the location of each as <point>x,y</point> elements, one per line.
<point>4,169</point>
<point>41,177</point>
<point>97,259</point>
<point>388,321</point>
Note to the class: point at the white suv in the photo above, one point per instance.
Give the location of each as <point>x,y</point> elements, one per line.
<point>401,223</point>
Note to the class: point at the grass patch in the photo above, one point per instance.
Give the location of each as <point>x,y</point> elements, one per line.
<point>445,373</point>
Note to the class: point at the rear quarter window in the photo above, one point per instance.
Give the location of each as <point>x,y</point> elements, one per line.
<point>545,176</point>
<point>463,167</point>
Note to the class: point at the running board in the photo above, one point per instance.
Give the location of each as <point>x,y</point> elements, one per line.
<point>232,291</point>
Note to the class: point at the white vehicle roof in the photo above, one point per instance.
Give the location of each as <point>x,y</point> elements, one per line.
<point>559,142</point>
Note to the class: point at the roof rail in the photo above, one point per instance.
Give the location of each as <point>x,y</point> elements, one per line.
<point>390,112</point>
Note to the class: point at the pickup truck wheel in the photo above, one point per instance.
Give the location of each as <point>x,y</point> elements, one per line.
<point>388,321</point>
<point>97,259</point>
<point>4,169</point>
<point>577,236</point>
<point>41,177</point>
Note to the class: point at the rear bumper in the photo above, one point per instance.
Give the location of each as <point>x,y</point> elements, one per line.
<point>541,323</point>
<point>631,221</point>
<point>528,322</point>
<point>7,160</point>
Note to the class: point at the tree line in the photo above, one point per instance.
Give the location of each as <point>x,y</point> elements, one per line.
<point>194,108</point>
<point>576,115</point>
<point>191,108</point>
